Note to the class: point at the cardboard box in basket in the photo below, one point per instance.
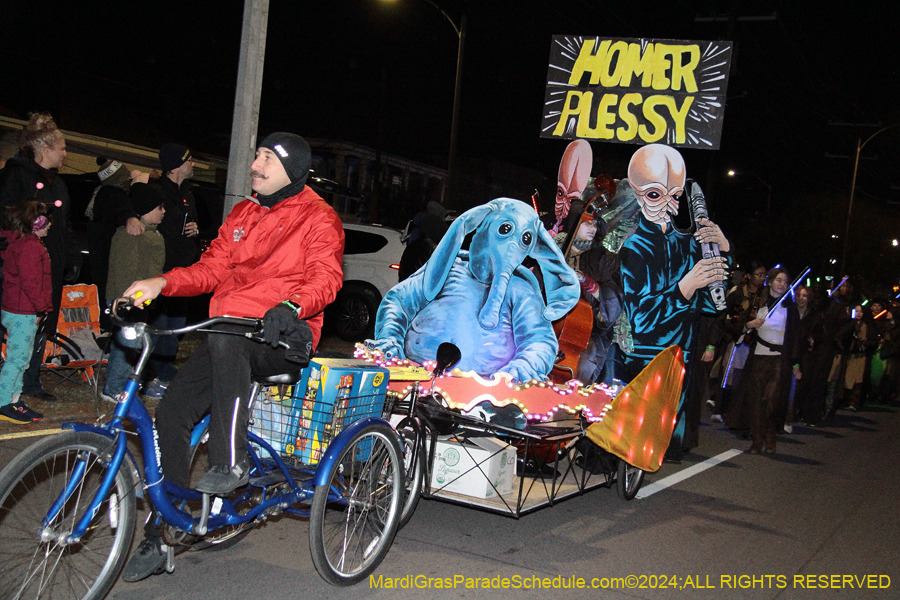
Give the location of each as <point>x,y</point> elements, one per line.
<point>337,392</point>
<point>455,471</point>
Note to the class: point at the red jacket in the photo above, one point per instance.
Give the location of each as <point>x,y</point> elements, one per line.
<point>262,257</point>
<point>26,275</point>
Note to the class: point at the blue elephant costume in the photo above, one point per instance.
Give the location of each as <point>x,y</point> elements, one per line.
<point>483,300</point>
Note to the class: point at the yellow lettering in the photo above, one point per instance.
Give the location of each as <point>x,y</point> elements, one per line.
<point>638,64</point>
<point>614,64</point>
<point>654,118</point>
<point>590,62</point>
<point>678,116</point>
<point>626,134</point>
<point>799,581</point>
<point>619,53</point>
<point>657,67</point>
<point>604,118</point>
<point>684,72</point>
<point>569,110</point>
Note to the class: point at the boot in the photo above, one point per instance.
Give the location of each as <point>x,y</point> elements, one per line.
<point>756,445</point>
<point>770,442</point>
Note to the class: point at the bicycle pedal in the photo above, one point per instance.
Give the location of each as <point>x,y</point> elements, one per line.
<point>170,558</point>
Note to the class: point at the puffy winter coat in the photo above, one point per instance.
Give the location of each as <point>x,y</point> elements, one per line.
<point>263,256</point>
<point>26,275</point>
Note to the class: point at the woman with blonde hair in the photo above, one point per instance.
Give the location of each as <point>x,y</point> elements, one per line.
<point>34,173</point>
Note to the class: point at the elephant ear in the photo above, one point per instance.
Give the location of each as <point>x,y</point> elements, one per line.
<point>560,281</point>
<point>438,266</point>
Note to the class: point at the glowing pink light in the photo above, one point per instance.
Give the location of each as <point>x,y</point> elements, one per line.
<point>39,185</point>
<point>58,203</point>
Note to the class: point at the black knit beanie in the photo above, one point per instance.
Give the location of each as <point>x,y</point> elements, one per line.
<point>172,156</point>
<point>293,152</point>
<point>145,197</point>
<point>295,156</point>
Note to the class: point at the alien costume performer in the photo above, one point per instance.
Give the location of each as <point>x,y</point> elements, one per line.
<point>664,274</point>
<point>483,300</point>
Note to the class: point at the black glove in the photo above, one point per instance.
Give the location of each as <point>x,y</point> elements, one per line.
<point>281,322</point>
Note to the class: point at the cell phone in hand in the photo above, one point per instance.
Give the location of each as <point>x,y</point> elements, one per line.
<point>184,225</point>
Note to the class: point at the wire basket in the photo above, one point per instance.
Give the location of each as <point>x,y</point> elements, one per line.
<point>303,427</point>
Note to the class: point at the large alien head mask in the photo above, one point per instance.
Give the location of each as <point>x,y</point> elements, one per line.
<point>506,231</point>
<point>657,173</point>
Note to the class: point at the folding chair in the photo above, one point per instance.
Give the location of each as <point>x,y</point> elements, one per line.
<point>78,325</point>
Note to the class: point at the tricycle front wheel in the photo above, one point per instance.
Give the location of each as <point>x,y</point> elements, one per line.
<point>628,480</point>
<point>354,516</point>
<point>44,492</point>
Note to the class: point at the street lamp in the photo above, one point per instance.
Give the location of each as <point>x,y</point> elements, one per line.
<point>859,146</point>
<point>732,173</point>
<point>454,123</point>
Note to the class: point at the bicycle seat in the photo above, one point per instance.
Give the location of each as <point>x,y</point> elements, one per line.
<point>280,379</point>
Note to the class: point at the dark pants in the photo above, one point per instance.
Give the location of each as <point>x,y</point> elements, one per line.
<point>165,347</point>
<point>766,397</point>
<point>215,380</point>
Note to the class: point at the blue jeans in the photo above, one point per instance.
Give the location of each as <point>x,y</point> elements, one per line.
<point>122,358</point>
<point>21,330</point>
<point>165,347</point>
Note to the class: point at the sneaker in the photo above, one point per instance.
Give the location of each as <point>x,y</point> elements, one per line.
<point>42,395</point>
<point>223,479</point>
<point>716,419</point>
<point>711,404</point>
<point>788,428</point>
<point>15,413</point>
<point>105,395</point>
<point>24,410</point>
<point>155,388</point>
<point>149,559</point>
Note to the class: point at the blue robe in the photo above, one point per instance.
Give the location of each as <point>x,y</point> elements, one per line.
<point>653,263</point>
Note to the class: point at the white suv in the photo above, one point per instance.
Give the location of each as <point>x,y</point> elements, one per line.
<point>371,263</point>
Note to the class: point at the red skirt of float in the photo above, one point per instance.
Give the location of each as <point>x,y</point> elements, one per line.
<point>635,425</point>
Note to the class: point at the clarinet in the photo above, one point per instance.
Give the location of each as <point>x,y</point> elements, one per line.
<point>698,208</point>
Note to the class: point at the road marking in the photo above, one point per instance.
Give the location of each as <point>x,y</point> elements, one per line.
<point>658,486</point>
<point>24,434</point>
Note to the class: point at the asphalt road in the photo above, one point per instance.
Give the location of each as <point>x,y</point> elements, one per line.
<point>822,511</point>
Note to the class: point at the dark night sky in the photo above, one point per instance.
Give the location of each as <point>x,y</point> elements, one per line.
<point>382,74</point>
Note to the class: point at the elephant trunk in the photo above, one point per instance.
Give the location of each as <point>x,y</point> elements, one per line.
<point>489,317</point>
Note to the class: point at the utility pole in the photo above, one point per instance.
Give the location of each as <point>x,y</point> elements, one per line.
<point>246,102</point>
<point>860,144</point>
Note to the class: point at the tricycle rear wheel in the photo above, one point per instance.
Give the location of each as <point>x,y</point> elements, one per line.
<point>355,515</point>
<point>628,480</point>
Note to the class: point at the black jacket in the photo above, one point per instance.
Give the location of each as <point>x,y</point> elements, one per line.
<point>181,251</point>
<point>19,181</point>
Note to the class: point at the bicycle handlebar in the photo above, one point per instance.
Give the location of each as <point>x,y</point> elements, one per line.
<point>141,328</point>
